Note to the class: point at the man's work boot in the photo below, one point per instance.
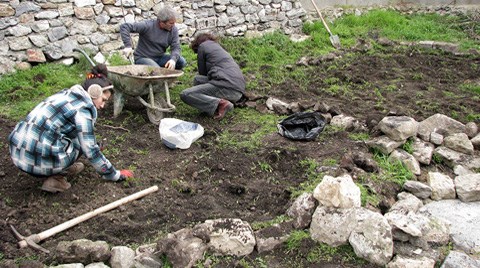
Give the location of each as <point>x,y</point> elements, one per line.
<point>74,169</point>
<point>224,106</point>
<point>55,184</point>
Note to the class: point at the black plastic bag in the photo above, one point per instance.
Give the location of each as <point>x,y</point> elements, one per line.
<point>302,126</point>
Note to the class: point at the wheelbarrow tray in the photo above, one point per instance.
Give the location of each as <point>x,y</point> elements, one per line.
<point>135,80</point>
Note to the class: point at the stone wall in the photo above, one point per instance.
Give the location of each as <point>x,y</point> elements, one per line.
<point>48,30</point>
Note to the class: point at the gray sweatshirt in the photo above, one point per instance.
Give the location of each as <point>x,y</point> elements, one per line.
<point>219,66</point>
<point>153,42</point>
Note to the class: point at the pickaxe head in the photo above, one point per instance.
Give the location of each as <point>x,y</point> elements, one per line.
<point>31,240</point>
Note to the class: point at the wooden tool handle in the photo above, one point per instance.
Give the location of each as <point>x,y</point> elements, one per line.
<point>321,17</point>
<point>54,230</point>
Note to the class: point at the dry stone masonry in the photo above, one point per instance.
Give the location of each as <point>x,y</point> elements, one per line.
<point>48,30</point>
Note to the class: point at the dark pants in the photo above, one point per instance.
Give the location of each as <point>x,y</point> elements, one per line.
<point>161,61</point>
<point>205,96</point>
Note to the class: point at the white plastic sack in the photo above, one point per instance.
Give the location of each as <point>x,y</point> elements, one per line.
<point>176,133</point>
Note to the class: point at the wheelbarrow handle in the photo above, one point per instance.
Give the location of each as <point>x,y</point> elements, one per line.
<point>86,56</point>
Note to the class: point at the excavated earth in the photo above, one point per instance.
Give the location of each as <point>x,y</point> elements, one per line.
<point>207,181</point>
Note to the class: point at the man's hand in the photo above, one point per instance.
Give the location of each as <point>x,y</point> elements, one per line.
<point>127,51</point>
<point>125,174</point>
<point>170,65</point>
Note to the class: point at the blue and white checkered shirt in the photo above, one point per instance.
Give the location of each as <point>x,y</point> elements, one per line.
<point>54,133</point>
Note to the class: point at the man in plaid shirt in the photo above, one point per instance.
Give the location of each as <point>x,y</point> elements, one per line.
<point>48,142</point>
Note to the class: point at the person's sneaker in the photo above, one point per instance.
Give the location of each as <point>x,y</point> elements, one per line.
<point>224,106</point>
<point>55,184</point>
<point>74,169</point>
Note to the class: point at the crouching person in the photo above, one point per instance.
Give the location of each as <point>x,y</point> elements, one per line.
<point>219,81</point>
<point>49,141</point>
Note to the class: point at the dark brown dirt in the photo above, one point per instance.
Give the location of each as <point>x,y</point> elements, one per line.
<point>207,182</point>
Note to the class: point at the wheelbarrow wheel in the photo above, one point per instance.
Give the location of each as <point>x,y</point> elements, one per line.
<point>155,115</point>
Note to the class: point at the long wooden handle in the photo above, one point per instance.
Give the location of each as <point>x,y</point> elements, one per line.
<point>321,17</point>
<point>54,230</point>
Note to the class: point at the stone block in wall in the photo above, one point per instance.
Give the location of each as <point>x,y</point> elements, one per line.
<point>233,10</point>
<point>6,10</point>
<point>47,15</point>
<point>57,33</point>
<point>249,9</point>
<point>236,31</point>
<point>83,3</point>
<point>67,45</point>
<point>18,43</point>
<point>84,27</point>
<point>35,55</point>
<point>204,4</point>
<point>207,23</point>
<point>145,4</point>
<point>84,13</point>
<point>221,2</point>
<point>19,30</point>
<point>222,20</point>
<point>252,18</point>
<point>40,26</point>
<point>26,18</point>
<point>38,40</point>
<point>7,22</point>
<point>65,9</point>
<point>114,11</point>
<point>111,47</point>
<point>52,52</point>
<point>108,2</point>
<point>25,7</point>
<point>102,19</point>
<point>237,20</point>
<point>296,13</point>
<point>99,38</point>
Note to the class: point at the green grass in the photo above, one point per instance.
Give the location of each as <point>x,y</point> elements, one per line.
<point>264,59</point>
<point>261,225</point>
<point>254,128</point>
<point>395,26</point>
<point>313,178</point>
<point>322,252</point>
<point>21,91</point>
<point>391,171</point>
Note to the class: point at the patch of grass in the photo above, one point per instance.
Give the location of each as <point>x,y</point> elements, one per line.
<point>251,138</point>
<point>400,27</point>
<point>265,167</point>
<point>391,171</point>
<point>264,224</point>
<point>20,92</point>
<point>473,117</point>
<point>116,59</point>
<point>330,162</point>
<point>26,258</point>
<point>408,146</point>
<point>367,196</point>
<point>324,252</point>
<point>360,136</point>
<point>295,238</point>
<point>312,180</point>
<point>437,159</point>
<point>471,88</point>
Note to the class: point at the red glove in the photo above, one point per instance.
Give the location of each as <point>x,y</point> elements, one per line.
<point>124,174</point>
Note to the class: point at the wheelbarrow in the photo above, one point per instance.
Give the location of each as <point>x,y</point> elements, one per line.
<point>142,81</point>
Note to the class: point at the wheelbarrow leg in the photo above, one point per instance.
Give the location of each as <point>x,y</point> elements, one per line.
<point>167,93</point>
<point>118,102</point>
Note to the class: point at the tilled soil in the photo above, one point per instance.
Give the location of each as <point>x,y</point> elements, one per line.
<point>207,181</point>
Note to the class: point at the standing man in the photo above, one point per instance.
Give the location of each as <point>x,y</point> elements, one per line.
<point>156,36</point>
